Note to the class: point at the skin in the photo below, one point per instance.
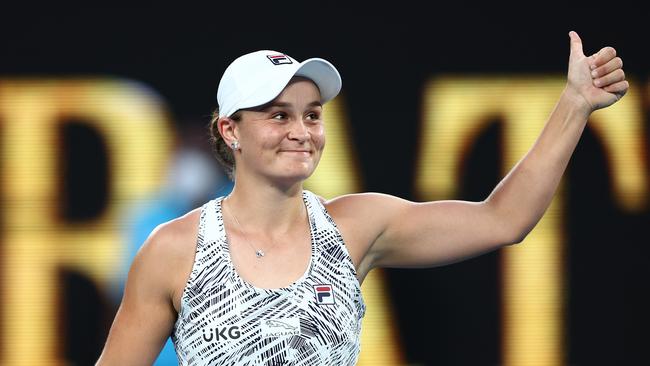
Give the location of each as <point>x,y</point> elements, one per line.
<point>379,230</point>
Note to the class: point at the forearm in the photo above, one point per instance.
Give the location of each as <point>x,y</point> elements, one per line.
<point>522,197</point>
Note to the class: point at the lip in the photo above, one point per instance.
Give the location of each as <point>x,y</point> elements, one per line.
<point>296,151</point>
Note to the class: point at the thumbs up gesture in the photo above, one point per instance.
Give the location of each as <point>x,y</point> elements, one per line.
<point>599,78</point>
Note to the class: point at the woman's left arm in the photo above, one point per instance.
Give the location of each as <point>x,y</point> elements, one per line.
<point>434,233</point>
<point>595,82</point>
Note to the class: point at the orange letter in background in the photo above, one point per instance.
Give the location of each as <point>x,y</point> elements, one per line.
<point>138,135</point>
<point>533,273</point>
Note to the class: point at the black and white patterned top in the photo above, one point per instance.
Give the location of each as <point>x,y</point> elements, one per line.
<point>225,320</point>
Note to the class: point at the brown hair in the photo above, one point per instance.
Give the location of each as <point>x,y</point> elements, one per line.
<point>221,150</point>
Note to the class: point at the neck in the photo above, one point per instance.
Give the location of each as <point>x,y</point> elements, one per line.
<point>266,208</point>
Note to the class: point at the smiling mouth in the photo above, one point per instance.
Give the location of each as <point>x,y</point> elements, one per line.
<point>301,152</point>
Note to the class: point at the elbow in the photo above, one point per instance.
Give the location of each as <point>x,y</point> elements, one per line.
<point>516,240</point>
<point>512,228</point>
<point>517,235</point>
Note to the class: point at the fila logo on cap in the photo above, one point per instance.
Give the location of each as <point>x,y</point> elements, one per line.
<point>279,59</point>
<point>324,294</point>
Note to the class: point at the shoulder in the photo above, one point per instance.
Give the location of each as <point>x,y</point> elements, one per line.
<point>170,238</point>
<point>368,213</point>
<point>361,219</point>
<point>170,245</point>
<point>367,205</point>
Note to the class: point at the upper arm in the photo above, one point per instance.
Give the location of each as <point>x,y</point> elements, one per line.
<point>435,233</point>
<point>402,233</point>
<point>146,315</point>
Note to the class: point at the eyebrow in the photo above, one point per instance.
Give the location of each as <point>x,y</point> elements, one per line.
<point>315,103</point>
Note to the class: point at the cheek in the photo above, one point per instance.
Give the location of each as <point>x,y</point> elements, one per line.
<point>270,139</point>
<point>318,137</point>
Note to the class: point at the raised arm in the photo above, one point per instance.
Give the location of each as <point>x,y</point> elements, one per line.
<point>435,233</point>
<point>594,82</point>
<point>147,314</point>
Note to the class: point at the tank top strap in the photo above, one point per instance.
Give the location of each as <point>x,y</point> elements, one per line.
<point>207,215</point>
<point>209,266</point>
<point>321,222</point>
<point>333,260</point>
<point>217,228</point>
<point>211,233</point>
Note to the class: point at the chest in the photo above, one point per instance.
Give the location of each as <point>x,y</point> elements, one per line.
<point>266,262</point>
<point>314,310</point>
<point>318,316</point>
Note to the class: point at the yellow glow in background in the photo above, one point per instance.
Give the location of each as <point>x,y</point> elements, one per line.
<point>455,111</point>
<point>135,125</point>
<point>337,174</point>
<point>34,244</point>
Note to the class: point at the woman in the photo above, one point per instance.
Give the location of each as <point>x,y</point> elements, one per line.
<point>274,277</point>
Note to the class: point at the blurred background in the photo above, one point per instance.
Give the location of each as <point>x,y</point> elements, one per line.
<point>103,131</point>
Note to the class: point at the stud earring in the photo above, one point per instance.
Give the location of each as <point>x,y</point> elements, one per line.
<point>235,145</point>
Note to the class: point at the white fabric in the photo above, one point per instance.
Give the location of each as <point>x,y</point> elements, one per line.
<point>255,79</point>
<point>225,320</point>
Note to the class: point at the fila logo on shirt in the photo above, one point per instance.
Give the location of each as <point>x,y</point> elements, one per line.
<point>324,294</point>
<point>279,59</point>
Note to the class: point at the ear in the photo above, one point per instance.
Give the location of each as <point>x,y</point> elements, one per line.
<point>228,129</point>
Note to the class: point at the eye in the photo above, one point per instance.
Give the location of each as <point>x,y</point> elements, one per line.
<point>279,116</point>
<point>313,115</point>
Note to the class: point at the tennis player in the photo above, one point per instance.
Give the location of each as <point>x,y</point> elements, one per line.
<point>271,274</point>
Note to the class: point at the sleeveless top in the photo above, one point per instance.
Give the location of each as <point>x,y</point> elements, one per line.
<point>224,320</point>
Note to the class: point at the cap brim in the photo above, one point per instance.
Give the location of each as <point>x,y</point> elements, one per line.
<point>324,74</point>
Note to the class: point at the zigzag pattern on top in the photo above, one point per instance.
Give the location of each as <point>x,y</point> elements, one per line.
<point>225,320</point>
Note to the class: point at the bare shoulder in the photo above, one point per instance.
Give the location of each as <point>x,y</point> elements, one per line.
<point>369,212</point>
<point>367,202</point>
<point>173,238</point>
<point>167,256</point>
<point>149,307</point>
<point>361,218</point>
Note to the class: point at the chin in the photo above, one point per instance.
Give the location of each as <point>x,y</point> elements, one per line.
<point>300,175</point>
<point>296,174</point>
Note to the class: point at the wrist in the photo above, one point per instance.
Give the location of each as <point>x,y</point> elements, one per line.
<point>576,102</point>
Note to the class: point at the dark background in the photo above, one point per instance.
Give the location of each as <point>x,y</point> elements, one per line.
<point>384,55</point>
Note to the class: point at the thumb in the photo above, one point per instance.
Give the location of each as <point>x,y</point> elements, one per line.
<point>576,44</point>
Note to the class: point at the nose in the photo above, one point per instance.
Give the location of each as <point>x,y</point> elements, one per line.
<point>298,130</point>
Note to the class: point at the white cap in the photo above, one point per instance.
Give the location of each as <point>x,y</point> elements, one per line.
<point>258,77</point>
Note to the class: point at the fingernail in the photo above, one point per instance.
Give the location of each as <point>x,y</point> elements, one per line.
<point>597,82</point>
<point>594,74</point>
<point>592,66</point>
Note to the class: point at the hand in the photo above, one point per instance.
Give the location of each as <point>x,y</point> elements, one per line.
<point>599,79</point>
